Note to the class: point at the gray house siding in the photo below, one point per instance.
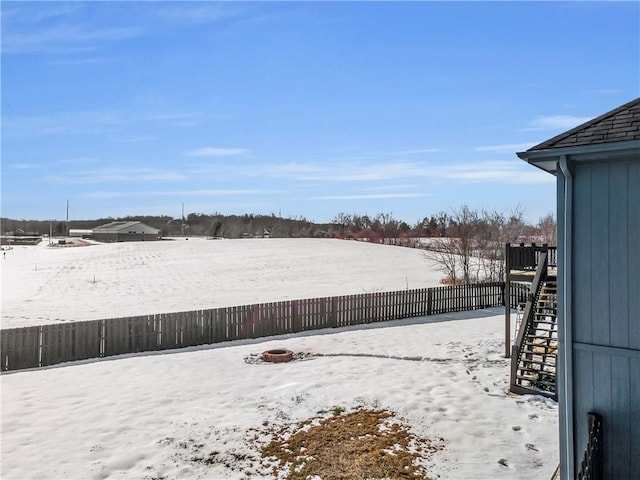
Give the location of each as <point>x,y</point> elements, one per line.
<point>605,305</point>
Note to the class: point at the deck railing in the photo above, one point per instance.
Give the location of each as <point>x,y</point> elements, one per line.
<point>38,346</point>
<point>526,257</point>
<point>591,467</point>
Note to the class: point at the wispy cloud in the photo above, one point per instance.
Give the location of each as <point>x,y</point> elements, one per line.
<point>506,148</point>
<point>188,14</point>
<point>479,172</point>
<point>110,175</point>
<point>78,162</point>
<point>388,154</point>
<point>416,151</point>
<point>390,187</point>
<point>371,196</point>
<point>77,61</point>
<point>216,152</point>
<point>64,39</point>
<point>556,122</point>
<point>44,11</point>
<point>23,165</point>
<point>92,122</point>
<point>106,194</point>
<point>134,139</point>
<point>224,192</point>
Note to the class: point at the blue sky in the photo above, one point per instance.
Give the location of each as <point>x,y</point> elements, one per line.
<point>299,108</point>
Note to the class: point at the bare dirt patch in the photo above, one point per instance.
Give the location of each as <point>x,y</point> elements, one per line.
<point>363,444</point>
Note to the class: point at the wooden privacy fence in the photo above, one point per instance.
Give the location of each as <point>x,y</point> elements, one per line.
<point>43,345</point>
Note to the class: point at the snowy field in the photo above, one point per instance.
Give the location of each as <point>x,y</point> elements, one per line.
<point>47,284</point>
<point>157,415</point>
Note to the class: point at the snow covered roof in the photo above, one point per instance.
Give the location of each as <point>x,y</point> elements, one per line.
<point>124,227</point>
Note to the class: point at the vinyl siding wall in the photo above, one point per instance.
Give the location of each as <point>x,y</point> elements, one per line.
<point>606,309</point>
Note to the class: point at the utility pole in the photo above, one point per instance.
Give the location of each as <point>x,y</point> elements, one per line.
<point>67,218</point>
<point>182,222</point>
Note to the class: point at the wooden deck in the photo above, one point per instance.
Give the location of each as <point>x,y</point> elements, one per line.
<point>521,261</point>
<point>527,275</point>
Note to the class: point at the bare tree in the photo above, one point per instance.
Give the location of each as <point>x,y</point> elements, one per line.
<point>498,229</point>
<point>547,229</point>
<point>444,254</point>
<point>455,252</point>
<point>474,247</point>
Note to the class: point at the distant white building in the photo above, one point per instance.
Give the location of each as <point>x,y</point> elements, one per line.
<point>125,232</point>
<point>80,232</point>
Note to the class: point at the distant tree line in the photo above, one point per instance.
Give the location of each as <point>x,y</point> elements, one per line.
<point>194,224</point>
<point>462,232</point>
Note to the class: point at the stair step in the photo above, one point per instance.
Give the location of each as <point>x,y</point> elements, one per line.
<point>542,348</point>
<point>531,378</point>
<point>535,362</point>
<point>538,384</point>
<point>542,345</point>
<point>536,358</point>
<point>541,342</point>
<point>536,381</point>
<point>542,334</point>
<point>539,349</point>
<point>536,375</point>
<point>546,322</point>
<point>538,337</point>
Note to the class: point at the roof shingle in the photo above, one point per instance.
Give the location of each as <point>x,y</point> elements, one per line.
<point>619,125</point>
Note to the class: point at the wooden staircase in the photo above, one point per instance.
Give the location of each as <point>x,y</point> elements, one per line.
<point>533,367</point>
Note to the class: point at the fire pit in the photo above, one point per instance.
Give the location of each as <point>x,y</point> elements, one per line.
<point>277,356</point>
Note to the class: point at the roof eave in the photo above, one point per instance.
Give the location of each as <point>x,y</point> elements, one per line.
<point>547,159</point>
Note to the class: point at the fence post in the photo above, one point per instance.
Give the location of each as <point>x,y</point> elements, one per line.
<point>295,319</point>
<point>429,300</point>
<point>334,312</point>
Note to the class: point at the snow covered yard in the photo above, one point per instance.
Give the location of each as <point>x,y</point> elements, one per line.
<point>204,412</point>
